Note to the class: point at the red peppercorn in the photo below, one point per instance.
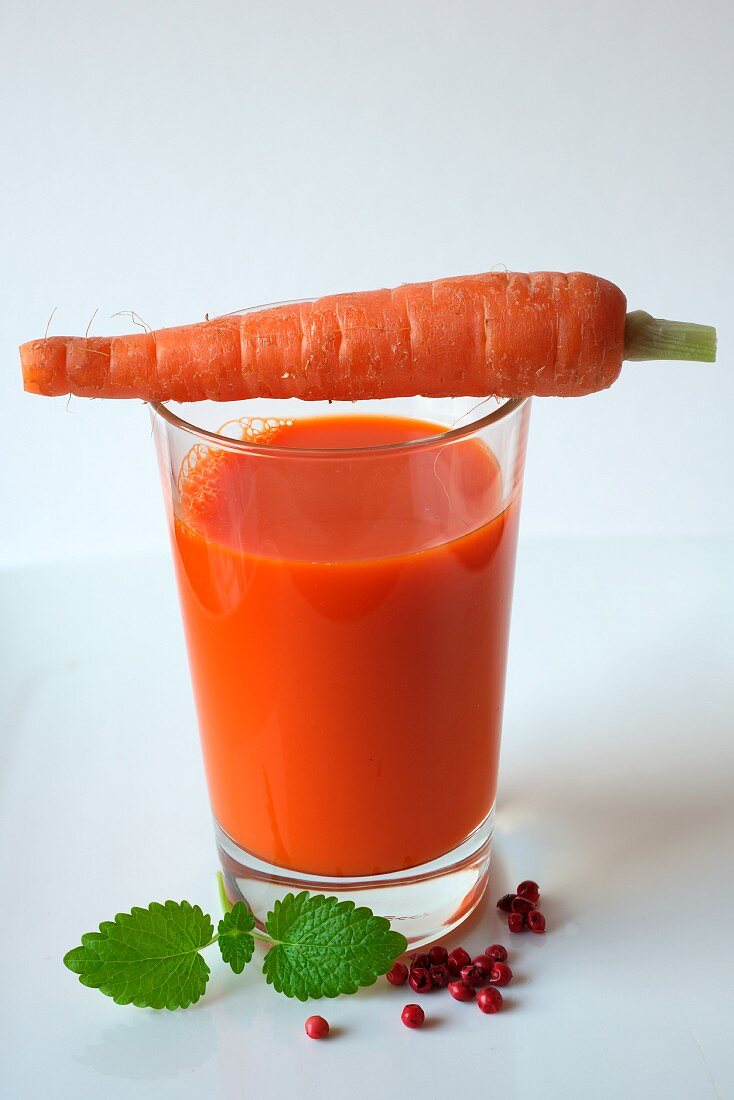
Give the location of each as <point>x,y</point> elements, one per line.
<point>489,999</point>
<point>500,975</point>
<point>516,922</point>
<point>497,952</point>
<point>462,991</point>
<point>440,976</point>
<point>413,1016</point>
<point>438,955</point>
<point>536,921</point>
<point>422,961</point>
<point>473,974</point>
<point>317,1027</point>
<point>398,975</point>
<point>458,958</point>
<point>530,890</point>
<point>522,905</point>
<point>484,963</point>
<point>420,980</point>
<point>505,903</point>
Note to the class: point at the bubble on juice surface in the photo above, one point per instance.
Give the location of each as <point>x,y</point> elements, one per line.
<point>201,476</point>
<point>255,429</point>
<point>197,480</point>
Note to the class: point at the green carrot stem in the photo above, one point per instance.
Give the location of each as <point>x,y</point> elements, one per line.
<point>647,337</point>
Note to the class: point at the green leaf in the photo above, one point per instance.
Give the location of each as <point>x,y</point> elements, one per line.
<point>324,947</point>
<point>147,957</point>
<point>235,941</point>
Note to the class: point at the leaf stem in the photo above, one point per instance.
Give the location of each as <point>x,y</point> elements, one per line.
<point>223,897</point>
<point>256,935</point>
<point>228,905</point>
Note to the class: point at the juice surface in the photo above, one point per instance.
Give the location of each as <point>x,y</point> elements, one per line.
<point>346,620</point>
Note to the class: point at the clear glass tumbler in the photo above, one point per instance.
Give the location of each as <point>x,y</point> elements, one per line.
<point>345,574</point>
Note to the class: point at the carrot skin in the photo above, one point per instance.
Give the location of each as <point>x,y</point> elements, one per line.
<point>502,333</point>
<point>44,366</point>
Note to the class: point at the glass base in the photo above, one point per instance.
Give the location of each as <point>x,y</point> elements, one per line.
<point>424,903</point>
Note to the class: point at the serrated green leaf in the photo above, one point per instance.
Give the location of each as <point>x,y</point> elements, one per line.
<point>324,947</point>
<point>147,957</point>
<point>235,942</point>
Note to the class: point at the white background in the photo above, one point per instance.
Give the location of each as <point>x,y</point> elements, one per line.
<point>180,158</point>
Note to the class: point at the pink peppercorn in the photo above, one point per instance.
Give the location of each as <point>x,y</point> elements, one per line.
<point>490,999</point>
<point>516,922</point>
<point>500,975</point>
<point>422,961</point>
<point>420,980</point>
<point>536,921</point>
<point>473,974</point>
<point>484,963</point>
<point>530,890</point>
<point>438,955</point>
<point>462,991</point>
<point>505,903</point>
<point>440,976</point>
<point>457,959</point>
<point>398,975</point>
<point>317,1027</point>
<point>522,905</point>
<point>497,952</point>
<point>413,1016</point>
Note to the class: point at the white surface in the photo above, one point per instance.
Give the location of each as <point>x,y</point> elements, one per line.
<point>615,795</point>
<point>178,158</point>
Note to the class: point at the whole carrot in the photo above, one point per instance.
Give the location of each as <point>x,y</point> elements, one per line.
<point>508,334</point>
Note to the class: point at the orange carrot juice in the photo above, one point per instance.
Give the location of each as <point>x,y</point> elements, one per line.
<point>346,615</point>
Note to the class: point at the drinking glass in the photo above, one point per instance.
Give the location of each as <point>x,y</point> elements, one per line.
<point>346,605</point>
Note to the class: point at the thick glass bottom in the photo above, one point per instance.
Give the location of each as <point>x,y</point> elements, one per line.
<point>424,902</point>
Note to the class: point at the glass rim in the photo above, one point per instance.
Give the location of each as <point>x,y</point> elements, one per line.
<point>509,405</point>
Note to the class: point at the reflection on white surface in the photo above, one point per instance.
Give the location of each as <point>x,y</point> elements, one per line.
<point>179,1045</point>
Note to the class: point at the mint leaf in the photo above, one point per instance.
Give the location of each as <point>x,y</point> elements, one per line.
<point>235,941</point>
<point>324,947</point>
<point>147,957</point>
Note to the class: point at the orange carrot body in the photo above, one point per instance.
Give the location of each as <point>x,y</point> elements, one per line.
<point>508,334</point>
